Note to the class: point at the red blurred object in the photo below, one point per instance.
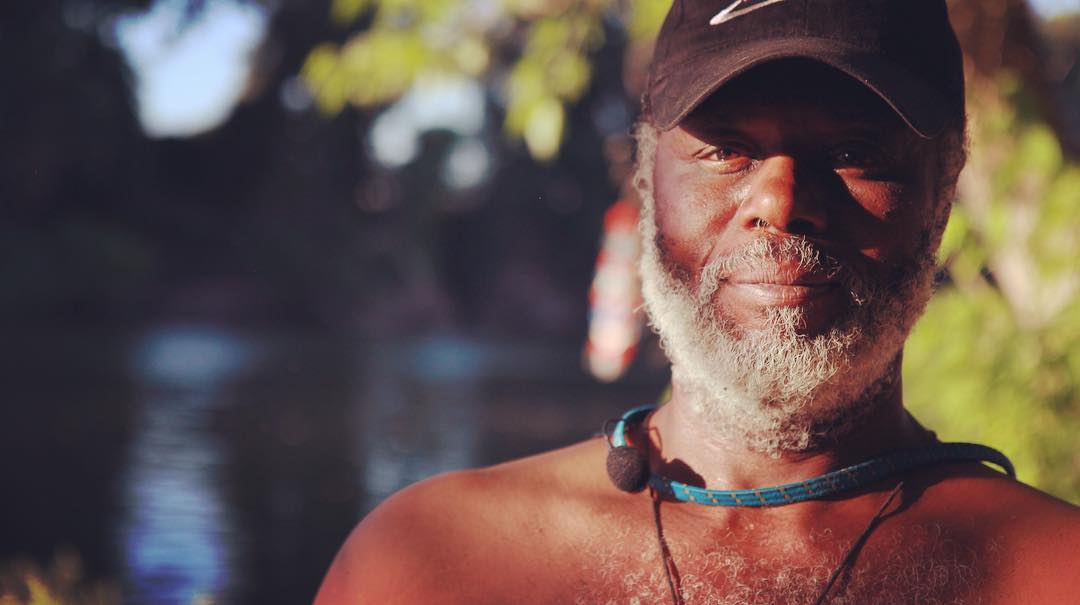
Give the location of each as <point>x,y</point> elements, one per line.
<point>615,319</point>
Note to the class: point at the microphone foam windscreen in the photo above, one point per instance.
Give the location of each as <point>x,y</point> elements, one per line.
<point>628,468</point>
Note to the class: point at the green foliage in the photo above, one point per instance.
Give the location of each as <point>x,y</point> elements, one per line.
<point>996,358</point>
<point>414,39</point>
<point>552,70</point>
<point>406,40</point>
<point>974,374</point>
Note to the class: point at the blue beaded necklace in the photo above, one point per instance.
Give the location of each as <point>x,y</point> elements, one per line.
<point>835,482</point>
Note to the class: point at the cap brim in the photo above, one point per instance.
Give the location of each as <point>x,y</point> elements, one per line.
<point>684,89</point>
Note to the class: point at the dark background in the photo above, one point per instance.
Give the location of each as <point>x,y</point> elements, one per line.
<point>209,342</point>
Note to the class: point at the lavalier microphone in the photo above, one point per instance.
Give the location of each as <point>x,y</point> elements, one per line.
<point>627,466</point>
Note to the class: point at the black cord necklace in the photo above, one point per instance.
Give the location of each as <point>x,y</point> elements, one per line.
<point>628,469</point>
<point>671,572</point>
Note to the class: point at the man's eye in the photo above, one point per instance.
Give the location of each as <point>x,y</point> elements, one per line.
<point>859,157</point>
<point>728,159</point>
<point>725,153</point>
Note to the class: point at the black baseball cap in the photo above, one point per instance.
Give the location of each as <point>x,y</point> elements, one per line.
<point>903,50</point>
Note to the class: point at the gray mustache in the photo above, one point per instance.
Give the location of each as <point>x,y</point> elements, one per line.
<point>768,253</point>
<point>765,255</point>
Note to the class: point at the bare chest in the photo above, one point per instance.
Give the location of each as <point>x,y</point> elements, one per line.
<point>918,565</point>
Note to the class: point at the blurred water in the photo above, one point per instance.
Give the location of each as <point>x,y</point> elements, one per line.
<point>413,433</point>
<point>177,528</point>
<point>229,465</point>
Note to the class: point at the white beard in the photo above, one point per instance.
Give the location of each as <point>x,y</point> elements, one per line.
<point>771,388</point>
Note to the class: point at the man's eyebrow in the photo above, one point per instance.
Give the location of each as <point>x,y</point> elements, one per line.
<point>719,131</point>
<point>715,129</point>
<point>869,124</point>
<point>881,131</point>
<point>869,128</point>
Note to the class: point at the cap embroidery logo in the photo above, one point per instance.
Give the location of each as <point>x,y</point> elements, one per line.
<point>738,9</point>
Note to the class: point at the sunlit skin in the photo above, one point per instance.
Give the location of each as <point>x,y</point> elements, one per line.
<point>769,155</point>
<point>841,170</point>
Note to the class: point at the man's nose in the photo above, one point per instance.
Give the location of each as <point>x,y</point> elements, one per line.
<point>780,201</point>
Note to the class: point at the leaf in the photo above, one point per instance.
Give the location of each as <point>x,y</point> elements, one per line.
<point>472,56</point>
<point>382,64</point>
<point>568,76</point>
<point>544,128</point>
<point>345,12</point>
<point>322,74</point>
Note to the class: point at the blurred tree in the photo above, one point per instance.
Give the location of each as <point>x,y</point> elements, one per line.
<point>536,54</point>
<point>996,359</point>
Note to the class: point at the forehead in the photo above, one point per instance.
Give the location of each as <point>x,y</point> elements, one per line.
<point>802,93</point>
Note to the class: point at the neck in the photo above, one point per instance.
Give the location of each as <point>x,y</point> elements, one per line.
<point>688,447</point>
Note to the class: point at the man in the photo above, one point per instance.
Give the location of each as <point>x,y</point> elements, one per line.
<point>797,159</point>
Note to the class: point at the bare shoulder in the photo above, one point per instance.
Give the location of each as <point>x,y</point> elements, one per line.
<point>1027,514</point>
<point>440,540</point>
<point>1040,537</point>
<point>400,552</point>
<point>1035,536</point>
